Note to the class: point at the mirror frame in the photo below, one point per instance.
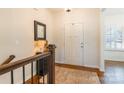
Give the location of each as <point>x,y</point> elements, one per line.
<point>36,23</point>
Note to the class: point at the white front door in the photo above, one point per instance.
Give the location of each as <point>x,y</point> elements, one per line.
<point>74,44</point>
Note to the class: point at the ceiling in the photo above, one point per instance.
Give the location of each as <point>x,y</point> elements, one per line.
<point>56,9</point>
<point>105,11</point>
<point>112,11</point>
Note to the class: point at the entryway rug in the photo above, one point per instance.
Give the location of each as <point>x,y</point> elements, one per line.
<point>74,76</point>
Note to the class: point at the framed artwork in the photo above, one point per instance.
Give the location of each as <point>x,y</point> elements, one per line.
<point>39,31</point>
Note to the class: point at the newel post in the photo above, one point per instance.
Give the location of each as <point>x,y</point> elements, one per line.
<point>51,78</point>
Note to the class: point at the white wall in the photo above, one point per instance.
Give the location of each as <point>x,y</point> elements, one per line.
<point>114,19</point>
<point>17,35</point>
<point>114,55</point>
<point>91,20</point>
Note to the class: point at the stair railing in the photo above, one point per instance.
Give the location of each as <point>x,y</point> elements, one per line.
<point>49,55</point>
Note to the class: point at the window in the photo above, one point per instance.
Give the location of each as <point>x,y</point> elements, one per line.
<point>114,37</point>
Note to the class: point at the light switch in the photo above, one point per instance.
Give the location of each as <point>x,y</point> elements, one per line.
<point>17,42</point>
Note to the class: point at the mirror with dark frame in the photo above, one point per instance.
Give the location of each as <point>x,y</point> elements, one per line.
<point>39,31</point>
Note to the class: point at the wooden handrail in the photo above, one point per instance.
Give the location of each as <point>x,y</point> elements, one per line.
<point>14,65</point>
<point>49,55</point>
<point>8,60</point>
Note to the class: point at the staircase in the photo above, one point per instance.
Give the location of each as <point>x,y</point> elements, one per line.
<point>49,56</point>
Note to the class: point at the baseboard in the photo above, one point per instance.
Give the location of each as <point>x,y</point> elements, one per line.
<point>62,62</point>
<point>78,67</point>
<point>113,61</point>
<point>91,66</point>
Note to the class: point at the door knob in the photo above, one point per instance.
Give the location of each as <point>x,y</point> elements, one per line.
<point>82,46</point>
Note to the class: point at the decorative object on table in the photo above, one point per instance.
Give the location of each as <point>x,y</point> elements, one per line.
<point>40,46</point>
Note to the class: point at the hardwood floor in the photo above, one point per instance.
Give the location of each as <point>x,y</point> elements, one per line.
<point>75,75</point>
<point>78,67</point>
<point>114,73</point>
<point>71,74</point>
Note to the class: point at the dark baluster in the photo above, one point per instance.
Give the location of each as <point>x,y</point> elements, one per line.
<point>48,69</point>
<point>43,70</point>
<point>12,78</point>
<point>23,74</point>
<point>32,73</point>
<point>38,73</point>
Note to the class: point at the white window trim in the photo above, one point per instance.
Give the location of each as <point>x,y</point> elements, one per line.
<point>119,50</point>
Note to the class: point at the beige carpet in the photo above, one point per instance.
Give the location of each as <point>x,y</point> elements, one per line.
<point>74,76</point>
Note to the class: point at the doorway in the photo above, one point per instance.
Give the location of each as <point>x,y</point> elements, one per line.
<point>74,44</point>
<point>112,45</point>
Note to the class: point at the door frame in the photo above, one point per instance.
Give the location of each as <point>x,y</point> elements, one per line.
<point>102,63</point>
<point>83,63</point>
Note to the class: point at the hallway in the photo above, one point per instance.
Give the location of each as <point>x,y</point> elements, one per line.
<point>70,75</point>
<point>114,73</point>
